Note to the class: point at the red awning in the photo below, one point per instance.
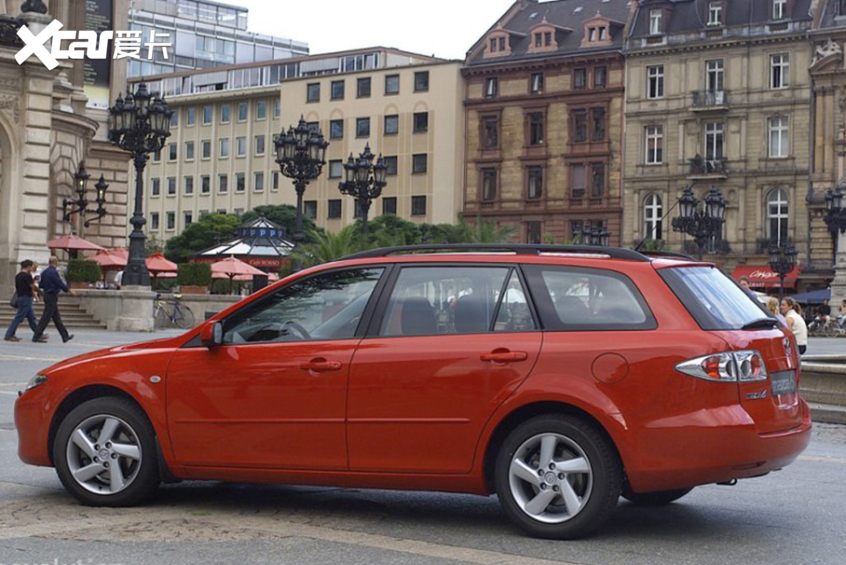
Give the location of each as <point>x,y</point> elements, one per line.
<point>764,277</point>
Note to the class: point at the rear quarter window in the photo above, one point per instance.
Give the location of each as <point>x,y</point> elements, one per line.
<point>581,299</point>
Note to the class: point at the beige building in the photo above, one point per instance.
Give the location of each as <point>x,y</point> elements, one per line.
<point>221,155</point>
<point>718,94</point>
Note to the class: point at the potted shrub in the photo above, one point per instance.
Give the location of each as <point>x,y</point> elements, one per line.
<point>83,273</point>
<point>194,278</point>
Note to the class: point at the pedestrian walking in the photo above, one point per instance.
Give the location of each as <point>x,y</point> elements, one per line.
<point>51,285</point>
<point>25,294</point>
<point>795,322</point>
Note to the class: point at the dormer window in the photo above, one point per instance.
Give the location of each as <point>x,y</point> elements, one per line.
<point>779,9</point>
<point>592,34</point>
<point>656,24</point>
<point>498,44</point>
<point>715,13</point>
<point>542,37</point>
<point>597,32</point>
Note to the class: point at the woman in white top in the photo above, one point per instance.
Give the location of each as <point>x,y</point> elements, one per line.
<point>793,312</point>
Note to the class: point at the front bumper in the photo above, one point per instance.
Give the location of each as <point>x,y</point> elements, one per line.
<point>687,455</point>
<point>33,415</point>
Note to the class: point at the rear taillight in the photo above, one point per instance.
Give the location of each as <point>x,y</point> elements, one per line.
<point>729,367</point>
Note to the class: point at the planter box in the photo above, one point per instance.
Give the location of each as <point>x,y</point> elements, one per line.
<point>194,290</point>
<point>79,285</point>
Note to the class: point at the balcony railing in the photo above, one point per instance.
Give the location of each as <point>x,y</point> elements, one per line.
<point>9,31</point>
<point>708,167</point>
<point>710,99</point>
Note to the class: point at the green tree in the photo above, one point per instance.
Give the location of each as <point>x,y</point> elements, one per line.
<point>209,230</point>
<point>391,231</point>
<point>327,247</point>
<point>481,231</point>
<point>283,215</point>
<point>152,244</point>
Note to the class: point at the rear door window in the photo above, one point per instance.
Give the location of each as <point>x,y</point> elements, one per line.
<point>712,298</point>
<point>575,299</point>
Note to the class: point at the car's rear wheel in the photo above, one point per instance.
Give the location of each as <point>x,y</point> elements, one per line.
<point>105,453</point>
<point>558,477</point>
<point>660,498</point>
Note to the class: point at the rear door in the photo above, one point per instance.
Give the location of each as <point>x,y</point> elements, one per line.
<point>449,345</point>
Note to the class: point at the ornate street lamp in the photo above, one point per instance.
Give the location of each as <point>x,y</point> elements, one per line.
<point>79,205</point>
<point>701,224</point>
<point>101,187</point>
<point>364,182</point>
<point>835,217</point>
<point>139,124</point>
<point>301,155</point>
<point>782,261</point>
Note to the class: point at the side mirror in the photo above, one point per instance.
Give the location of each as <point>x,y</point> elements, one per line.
<point>212,334</point>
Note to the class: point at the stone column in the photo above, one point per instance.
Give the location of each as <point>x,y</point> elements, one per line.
<point>838,285</point>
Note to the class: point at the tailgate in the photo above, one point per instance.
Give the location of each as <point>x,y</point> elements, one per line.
<point>774,403</point>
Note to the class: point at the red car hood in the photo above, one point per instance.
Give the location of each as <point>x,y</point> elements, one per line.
<point>156,343</point>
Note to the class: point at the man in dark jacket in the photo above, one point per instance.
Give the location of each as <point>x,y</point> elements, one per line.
<point>27,293</point>
<point>51,285</point>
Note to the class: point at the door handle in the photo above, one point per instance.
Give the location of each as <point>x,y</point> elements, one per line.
<point>504,356</point>
<point>321,365</point>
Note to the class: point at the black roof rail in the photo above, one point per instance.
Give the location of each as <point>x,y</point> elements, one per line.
<point>668,255</point>
<point>516,248</point>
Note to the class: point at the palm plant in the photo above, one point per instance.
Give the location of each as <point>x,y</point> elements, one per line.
<point>481,231</point>
<point>327,247</point>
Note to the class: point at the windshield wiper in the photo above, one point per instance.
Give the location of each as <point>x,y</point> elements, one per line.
<point>761,324</point>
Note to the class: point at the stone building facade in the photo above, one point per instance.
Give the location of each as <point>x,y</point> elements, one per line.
<point>718,95</point>
<point>544,120</point>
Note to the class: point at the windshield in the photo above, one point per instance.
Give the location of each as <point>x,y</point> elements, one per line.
<point>712,298</point>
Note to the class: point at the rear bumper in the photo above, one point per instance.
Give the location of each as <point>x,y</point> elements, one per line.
<point>32,421</point>
<point>689,453</point>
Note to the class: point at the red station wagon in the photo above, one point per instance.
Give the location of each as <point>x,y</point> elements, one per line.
<point>558,378</point>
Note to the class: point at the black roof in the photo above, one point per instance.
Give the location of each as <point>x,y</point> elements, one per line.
<point>564,15</point>
<point>833,14</point>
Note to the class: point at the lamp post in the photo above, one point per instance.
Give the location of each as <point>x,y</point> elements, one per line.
<point>835,219</point>
<point>782,261</point>
<point>364,182</point>
<point>79,205</point>
<point>139,124</point>
<point>700,223</point>
<point>301,155</point>
<point>594,236</point>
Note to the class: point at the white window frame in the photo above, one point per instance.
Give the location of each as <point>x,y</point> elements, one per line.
<point>779,62</point>
<point>779,137</point>
<point>717,68</point>
<point>779,9</point>
<point>782,213</point>
<point>715,13</point>
<point>654,140</point>
<point>715,130</point>
<point>656,20</point>
<point>653,216</point>
<point>655,73</point>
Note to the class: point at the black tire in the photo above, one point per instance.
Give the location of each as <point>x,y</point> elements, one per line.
<point>660,498</point>
<point>184,318</point>
<point>147,478</point>
<point>607,476</point>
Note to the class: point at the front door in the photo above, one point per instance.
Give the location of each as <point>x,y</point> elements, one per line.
<point>274,394</point>
<point>452,344</point>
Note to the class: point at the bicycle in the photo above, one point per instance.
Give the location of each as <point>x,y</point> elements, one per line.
<point>172,313</point>
<point>829,329</point>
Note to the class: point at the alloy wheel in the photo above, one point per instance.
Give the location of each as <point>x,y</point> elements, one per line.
<point>104,454</point>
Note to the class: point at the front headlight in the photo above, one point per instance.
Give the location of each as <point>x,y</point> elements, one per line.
<point>35,381</point>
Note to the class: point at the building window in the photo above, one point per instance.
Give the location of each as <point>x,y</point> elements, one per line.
<point>363,88</point>
<point>655,82</point>
<point>420,164</point>
<point>154,221</point>
<point>392,85</point>
<point>171,186</point>
<point>533,233</point>
<point>207,115</point>
<point>205,184</point>
<point>259,145</point>
<point>157,156</point>
<point>418,205</point>
<point>656,18</point>
<point>191,116</point>
<point>189,186</point>
<point>334,209</point>
<point>534,190</point>
<point>240,182</point>
<point>225,111</point>
<point>714,141</point>
<point>580,126</point>
<point>172,150</point>
<point>261,110</point>
<point>421,81</point>
<point>241,146</point>
<point>275,184</point>
<point>580,79</point>
<point>174,119</point>
<point>391,163</point>
<point>206,149</point>
<point>336,169</point>
<point>313,92</point>
<point>715,75</point>
<point>171,221</point>
<point>421,122</point>
<point>536,127</point>
<point>779,70</point>
<point>598,119</point>
<point>491,87</point>
<point>187,218</point>
<point>597,180</point>
<point>313,127</point>
<point>779,9</point>
<point>578,178</point>
<point>222,184</point>
<point>490,132</point>
<point>156,187</point>
<point>189,150</point>
<point>537,83</point>
<point>653,217</point>
<point>337,90</point>
<point>336,129</point>
<point>242,112</point>
<point>777,220</point>
<point>391,124</point>
<point>389,205</point>
<point>258,181</point>
<point>224,148</point>
<point>715,13</point>
<point>654,145</point>
<point>310,209</point>
<point>489,181</point>
<point>779,137</point>
<point>362,127</point>
<point>600,76</point>
<point>277,108</point>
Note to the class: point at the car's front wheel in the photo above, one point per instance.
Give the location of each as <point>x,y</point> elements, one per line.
<point>105,453</point>
<point>558,477</point>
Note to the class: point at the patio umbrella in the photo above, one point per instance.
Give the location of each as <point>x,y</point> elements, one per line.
<point>73,244</point>
<point>109,260</point>
<point>232,268</point>
<point>271,277</point>
<point>158,265</point>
